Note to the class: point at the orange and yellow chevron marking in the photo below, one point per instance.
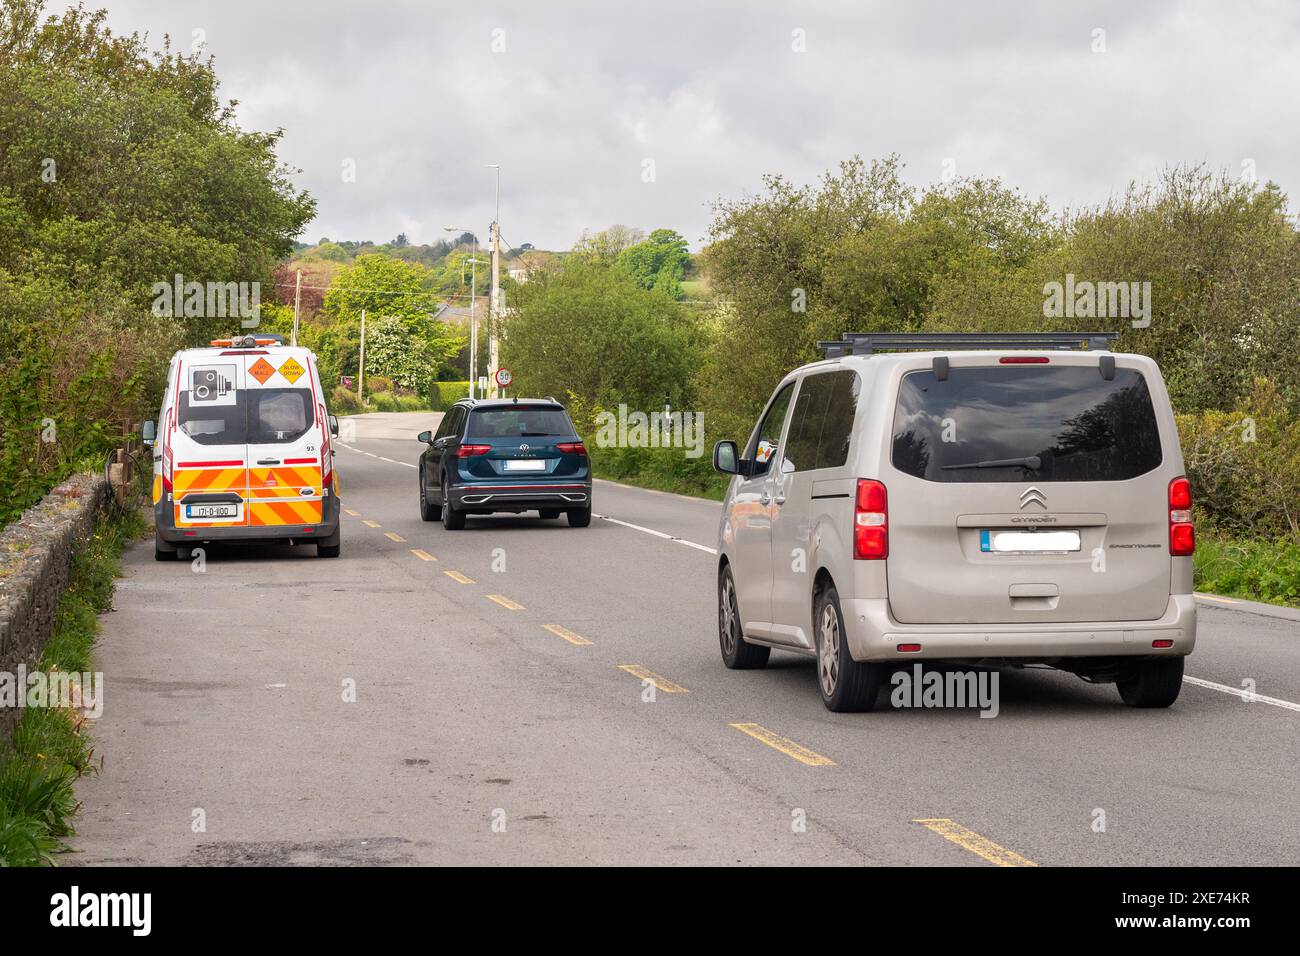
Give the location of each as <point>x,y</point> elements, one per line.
<point>157,488</point>
<point>284,512</point>
<point>283,482</point>
<point>208,479</point>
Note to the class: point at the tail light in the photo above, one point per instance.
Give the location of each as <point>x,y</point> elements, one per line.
<point>870,522</point>
<point>167,454</point>
<point>1182,536</point>
<point>469,451</point>
<point>326,455</point>
<point>1024,360</point>
<point>572,448</point>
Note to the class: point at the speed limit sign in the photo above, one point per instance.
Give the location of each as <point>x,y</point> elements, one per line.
<point>504,377</point>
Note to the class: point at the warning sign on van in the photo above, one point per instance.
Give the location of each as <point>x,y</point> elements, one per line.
<point>292,371</point>
<point>261,370</point>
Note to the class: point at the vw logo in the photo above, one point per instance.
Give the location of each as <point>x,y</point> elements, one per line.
<point>1032,494</point>
<point>523,449</point>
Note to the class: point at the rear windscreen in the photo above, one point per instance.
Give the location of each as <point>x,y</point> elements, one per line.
<point>1023,422</point>
<point>248,416</point>
<point>521,422</point>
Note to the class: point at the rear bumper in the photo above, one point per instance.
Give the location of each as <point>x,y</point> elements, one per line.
<point>873,635</point>
<point>164,522</point>
<point>520,497</point>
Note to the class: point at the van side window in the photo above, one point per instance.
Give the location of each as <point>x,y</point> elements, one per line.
<point>823,420</point>
<point>768,434</point>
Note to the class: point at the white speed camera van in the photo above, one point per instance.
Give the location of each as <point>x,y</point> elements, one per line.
<point>242,449</point>
<point>991,499</point>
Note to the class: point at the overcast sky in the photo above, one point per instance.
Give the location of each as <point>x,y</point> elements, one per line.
<point>576,100</point>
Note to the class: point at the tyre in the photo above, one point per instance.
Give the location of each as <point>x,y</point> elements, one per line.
<point>452,519</point>
<point>163,550</point>
<point>737,653</point>
<point>549,512</point>
<point>330,547</point>
<point>579,517</point>
<point>846,685</point>
<point>1152,683</point>
<point>428,512</point>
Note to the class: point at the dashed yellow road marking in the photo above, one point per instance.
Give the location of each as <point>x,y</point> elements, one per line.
<point>968,839</point>
<point>355,514</point>
<point>663,683</point>
<point>505,602</point>
<point>423,555</point>
<point>567,634</point>
<point>457,576</point>
<point>394,536</point>
<point>371,524</point>
<point>786,746</point>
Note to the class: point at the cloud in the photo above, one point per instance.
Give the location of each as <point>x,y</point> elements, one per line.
<point>573,99</point>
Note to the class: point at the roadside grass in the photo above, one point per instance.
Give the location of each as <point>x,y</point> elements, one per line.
<point>661,469</point>
<point>50,748</point>
<point>1256,570</point>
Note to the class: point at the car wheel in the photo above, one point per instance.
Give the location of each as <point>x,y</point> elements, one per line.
<point>579,517</point>
<point>427,511</point>
<point>737,653</point>
<point>452,519</point>
<point>330,547</point>
<point>549,512</point>
<point>1152,683</point>
<point>163,550</point>
<point>846,685</point>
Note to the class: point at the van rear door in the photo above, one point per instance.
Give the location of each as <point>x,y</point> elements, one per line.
<point>1030,489</point>
<point>205,440</point>
<point>286,435</point>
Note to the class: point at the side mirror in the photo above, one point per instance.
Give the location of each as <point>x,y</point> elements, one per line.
<point>726,460</point>
<point>334,426</point>
<point>148,432</point>
<point>426,437</point>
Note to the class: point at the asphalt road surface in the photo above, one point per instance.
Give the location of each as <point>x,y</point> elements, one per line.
<point>526,692</point>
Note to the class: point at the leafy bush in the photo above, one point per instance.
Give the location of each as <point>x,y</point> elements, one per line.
<point>344,401</point>
<point>443,395</point>
<point>379,383</point>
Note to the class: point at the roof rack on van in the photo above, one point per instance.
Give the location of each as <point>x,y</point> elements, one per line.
<point>867,343</point>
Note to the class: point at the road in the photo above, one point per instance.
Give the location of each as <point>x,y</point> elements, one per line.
<point>501,715</point>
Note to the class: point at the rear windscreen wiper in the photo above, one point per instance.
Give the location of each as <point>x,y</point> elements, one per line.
<point>1032,462</point>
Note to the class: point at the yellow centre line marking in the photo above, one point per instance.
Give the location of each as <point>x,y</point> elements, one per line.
<point>371,524</point>
<point>355,514</point>
<point>394,536</point>
<point>787,747</point>
<point>505,602</point>
<point>567,634</point>
<point>663,683</point>
<point>457,576</point>
<point>423,555</point>
<point>981,846</point>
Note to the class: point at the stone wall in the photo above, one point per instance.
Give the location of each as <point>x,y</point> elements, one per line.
<point>35,554</point>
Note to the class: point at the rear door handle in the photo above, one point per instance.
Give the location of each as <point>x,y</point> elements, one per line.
<point>764,499</point>
<point>780,499</point>
<point>268,461</point>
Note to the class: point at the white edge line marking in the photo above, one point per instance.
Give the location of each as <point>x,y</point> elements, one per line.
<point>1243,694</point>
<point>657,534</point>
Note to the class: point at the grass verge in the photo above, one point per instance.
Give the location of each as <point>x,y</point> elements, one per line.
<point>663,469</point>
<point>1267,571</point>
<point>50,748</point>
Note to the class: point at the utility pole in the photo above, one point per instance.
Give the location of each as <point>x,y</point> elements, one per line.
<point>361,365</point>
<point>494,300</point>
<point>297,299</point>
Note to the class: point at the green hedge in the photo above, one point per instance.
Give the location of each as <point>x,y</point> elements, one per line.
<point>446,394</point>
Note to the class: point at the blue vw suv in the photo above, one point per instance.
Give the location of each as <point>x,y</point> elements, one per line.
<point>504,455</point>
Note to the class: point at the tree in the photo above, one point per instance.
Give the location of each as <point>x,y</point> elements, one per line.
<point>659,262</point>
<point>382,286</point>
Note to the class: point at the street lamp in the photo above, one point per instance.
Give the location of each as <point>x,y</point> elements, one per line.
<point>473,319</point>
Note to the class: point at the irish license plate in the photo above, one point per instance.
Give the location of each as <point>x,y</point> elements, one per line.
<point>1029,542</point>
<point>525,464</point>
<point>211,511</point>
